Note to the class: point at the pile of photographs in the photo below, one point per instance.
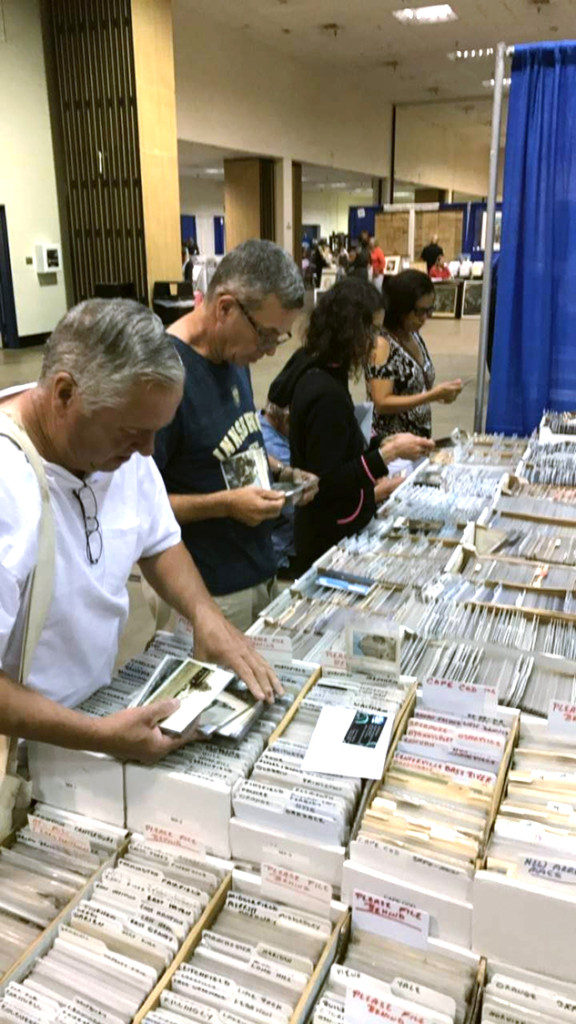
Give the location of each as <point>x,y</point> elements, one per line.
<point>49,862</point>
<point>118,941</point>
<point>551,464</point>
<point>560,423</point>
<point>252,964</point>
<point>212,699</point>
<point>401,983</point>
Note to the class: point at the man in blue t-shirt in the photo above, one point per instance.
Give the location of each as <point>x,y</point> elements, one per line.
<point>251,304</point>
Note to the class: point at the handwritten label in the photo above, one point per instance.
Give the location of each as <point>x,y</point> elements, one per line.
<point>278,853</point>
<point>363,1007</point>
<point>562,718</point>
<point>546,869</point>
<point>335,659</point>
<point>54,832</point>
<point>391,919</point>
<point>277,649</point>
<point>175,837</point>
<point>294,888</point>
<point>462,698</point>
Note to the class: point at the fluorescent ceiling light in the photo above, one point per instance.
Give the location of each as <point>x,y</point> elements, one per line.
<point>425,15</point>
<point>213,170</point>
<point>471,54</point>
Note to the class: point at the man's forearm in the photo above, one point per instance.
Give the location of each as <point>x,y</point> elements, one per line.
<point>174,576</point>
<point>28,715</point>
<point>191,508</point>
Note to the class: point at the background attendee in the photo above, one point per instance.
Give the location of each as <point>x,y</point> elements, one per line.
<point>399,372</point>
<point>440,271</point>
<point>378,262</point>
<point>110,379</point>
<point>325,437</point>
<point>251,304</point>
<point>360,257</point>
<point>431,252</point>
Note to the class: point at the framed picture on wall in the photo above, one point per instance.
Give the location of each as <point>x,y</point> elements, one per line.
<point>446,299</point>
<point>392,264</point>
<point>472,299</point>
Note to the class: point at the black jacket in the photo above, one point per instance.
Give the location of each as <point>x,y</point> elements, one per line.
<point>325,439</point>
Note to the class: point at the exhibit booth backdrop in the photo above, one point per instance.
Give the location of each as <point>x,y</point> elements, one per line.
<point>534,358</point>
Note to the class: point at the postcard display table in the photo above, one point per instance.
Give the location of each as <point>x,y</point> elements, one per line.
<point>246,882</point>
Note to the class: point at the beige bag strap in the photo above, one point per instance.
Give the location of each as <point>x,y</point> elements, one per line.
<point>40,586</point>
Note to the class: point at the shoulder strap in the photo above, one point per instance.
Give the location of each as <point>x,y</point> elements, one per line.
<point>40,590</point>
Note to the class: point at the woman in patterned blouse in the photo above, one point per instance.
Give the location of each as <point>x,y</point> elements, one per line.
<point>400,377</point>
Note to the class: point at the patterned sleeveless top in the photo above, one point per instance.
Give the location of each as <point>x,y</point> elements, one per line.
<point>409,379</point>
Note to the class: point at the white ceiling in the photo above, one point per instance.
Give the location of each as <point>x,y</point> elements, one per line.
<point>408,63</point>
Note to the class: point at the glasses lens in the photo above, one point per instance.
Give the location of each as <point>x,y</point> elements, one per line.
<point>94,545</point>
<point>88,498</point>
<point>424,311</point>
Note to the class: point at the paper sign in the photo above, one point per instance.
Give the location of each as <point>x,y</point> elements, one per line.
<point>363,1007</point>
<point>349,742</point>
<point>335,659</point>
<point>175,837</point>
<point>54,832</point>
<point>294,888</point>
<point>391,919</point>
<point>458,698</point>
<point>562,718</point>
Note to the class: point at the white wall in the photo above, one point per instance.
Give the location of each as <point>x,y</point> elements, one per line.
<point>435,154</point>
<point>329,207</point>
<point>27,180</point>
<point>234,92</point>
<point>201,197</point>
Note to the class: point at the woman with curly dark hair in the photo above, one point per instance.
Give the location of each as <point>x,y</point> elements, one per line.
<point>325,437</point>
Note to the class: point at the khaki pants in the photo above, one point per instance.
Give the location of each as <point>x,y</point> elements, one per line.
<point>243,607</point>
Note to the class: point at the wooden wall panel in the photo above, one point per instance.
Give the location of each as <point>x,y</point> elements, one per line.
<point>447,224</point>
<point>94,93</point>
<point>156,100</point>
<point>297,212</point>
<point>241,200</point>
<point>392,231</point>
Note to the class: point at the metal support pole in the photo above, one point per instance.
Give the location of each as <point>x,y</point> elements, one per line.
<point>501,52</point>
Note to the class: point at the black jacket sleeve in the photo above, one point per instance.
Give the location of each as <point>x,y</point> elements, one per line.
<point>328,434</point>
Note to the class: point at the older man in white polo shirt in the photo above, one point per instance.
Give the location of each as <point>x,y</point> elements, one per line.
<point>110,379</point>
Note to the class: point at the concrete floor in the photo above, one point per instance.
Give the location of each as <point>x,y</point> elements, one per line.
<point>453,346</point>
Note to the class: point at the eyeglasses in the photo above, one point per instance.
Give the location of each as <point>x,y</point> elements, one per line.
<point>424,311</point>
<point>268,336</point>
<point>89,508</point>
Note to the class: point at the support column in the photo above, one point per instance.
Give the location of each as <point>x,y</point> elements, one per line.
<point>284,205</point>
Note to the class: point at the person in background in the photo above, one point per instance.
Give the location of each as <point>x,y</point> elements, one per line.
<point>318,261</point>
<point>378,261</point>
<point>187,264</point>
<point>325,437</point>
<point>440,271</point>
<point>400,376</point>
<point>275,427</point>
<point>431,252</point>
<point>360,257</point>
<point>251,304</point>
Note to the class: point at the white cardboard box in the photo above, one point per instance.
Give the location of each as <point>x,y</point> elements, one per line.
<point>200,807</point>
<point>78,780</point>
<point>450,920</point>
<point>253,844</point>
<point>529,926</point>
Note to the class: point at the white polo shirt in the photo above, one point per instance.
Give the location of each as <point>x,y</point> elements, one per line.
<point>89,607</point>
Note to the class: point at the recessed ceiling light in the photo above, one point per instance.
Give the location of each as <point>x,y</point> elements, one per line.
<point>490,83</point>
<point>425,15</point>
<point>213,170</point>
<point>471,54</point>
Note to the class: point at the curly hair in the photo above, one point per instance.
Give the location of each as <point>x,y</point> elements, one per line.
<point>340,328</point>
<point>402,292</point>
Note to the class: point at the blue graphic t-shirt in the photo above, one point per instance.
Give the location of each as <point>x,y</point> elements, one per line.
<point>215,420</point>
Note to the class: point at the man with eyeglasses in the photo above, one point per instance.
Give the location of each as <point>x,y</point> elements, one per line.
<point>110,379</point>
<point>249,310</point>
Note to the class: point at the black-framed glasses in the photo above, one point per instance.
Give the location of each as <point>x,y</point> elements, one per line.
<point>268,336</point>
<point>428,311</point>
<point>89,508</point>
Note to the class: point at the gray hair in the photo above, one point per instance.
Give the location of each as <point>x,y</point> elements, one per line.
<point>107,345</point>
<point>256,269</point>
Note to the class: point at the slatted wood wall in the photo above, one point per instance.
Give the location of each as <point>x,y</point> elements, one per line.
<point>94,93</point>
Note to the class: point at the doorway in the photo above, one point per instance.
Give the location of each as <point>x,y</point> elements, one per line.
<point>8,326</point>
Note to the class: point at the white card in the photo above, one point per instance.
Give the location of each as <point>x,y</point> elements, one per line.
<point>349,742</point>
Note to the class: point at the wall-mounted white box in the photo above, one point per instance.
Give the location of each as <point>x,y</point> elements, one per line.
<point>48,258</point>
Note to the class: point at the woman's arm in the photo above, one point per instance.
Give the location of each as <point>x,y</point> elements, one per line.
<point>381,389</point>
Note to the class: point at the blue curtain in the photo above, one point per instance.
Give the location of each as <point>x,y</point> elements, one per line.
<point>534,353</point>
